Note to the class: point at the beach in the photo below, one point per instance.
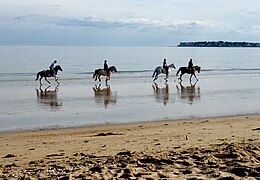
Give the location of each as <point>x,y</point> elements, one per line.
<point>208,148</point>
<point>132,127</point>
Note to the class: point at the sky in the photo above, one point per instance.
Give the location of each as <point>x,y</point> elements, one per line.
<point>127,22</point>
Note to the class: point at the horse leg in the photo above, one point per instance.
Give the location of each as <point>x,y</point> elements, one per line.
<point>166,78</point>
<point>56,79</point>
<point>156,77</point>
<point>107,78</point>
<point>191,77</point>
<point>195,76</point>
<point>40,80</point>
<point>99,78</point>
<point>47,80</point>
<point>180,77</point>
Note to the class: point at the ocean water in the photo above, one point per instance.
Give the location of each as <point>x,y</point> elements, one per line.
<point>23,62</point>
<point>228,85</point>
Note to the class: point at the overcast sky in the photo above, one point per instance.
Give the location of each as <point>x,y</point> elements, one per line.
<point>127,22</point>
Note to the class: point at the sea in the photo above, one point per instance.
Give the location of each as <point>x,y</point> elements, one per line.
<point>228,84</point>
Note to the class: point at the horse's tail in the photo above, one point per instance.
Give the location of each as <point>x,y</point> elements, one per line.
<point>178,71</point>
<point>95,73</point>
<point>37,76</point>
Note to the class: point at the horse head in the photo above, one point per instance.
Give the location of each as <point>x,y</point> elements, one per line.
<point>58,67</point>
<point>112,69</point>
<point>172,66</point>
<point>197,68</point>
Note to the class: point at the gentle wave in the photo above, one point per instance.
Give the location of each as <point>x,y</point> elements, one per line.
<point>121,72</point>
<point>132,71</point>
<point>16,74</point>
<point>231,69</point>
<point>205,70</point>
<point>124,74</point>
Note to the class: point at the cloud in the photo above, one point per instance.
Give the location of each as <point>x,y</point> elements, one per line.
<point>106,31</point>
<point>148,22</point>
<point>133,23</point>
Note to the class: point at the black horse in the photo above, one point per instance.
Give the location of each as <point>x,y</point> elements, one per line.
<point>47,73</point>
<point>184,70</point>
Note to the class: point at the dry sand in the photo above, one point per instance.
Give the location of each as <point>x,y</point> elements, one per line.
<point>214,148</point>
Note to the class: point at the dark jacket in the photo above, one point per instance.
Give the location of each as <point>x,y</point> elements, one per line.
<point>190,65</point>
<point>105,66</point>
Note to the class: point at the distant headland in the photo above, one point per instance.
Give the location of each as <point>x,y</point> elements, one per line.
<point>218,44</point>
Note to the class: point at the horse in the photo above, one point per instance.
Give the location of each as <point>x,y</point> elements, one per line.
<point>48,73</point>
<point>184,70</point>
<point>102,72</point>
<point>160,70</point>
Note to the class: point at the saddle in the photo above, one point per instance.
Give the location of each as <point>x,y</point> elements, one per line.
<point>106,71</point>
<point>49,73</point>
<point>190,70</point>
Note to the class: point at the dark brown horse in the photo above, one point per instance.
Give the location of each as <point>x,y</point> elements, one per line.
<point>185,70</point>
<point>102,72</point>
<point>47,73</point>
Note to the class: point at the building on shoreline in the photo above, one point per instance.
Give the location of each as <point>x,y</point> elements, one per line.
<point>218,44</point>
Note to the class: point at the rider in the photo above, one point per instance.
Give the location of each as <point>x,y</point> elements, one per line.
<point>190,65</point>
<point>166,67</point>
<point>106,67</point>
<point>51,67</point>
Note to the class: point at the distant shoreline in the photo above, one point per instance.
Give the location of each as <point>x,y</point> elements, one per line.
<point>218,44</point>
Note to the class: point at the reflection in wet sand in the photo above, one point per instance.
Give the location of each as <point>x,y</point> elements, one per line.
<point>104,95</point>
<point>162,94</point>
<point>190,93</point>
<point>48,98</point>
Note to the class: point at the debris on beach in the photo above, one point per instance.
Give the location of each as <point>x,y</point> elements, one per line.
<point>218,161</point>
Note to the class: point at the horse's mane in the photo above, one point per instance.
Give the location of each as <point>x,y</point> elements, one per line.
<point>112,67</point>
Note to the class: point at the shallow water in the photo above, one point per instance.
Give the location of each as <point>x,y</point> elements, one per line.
<point>82,102</point>
<point>228,85</point>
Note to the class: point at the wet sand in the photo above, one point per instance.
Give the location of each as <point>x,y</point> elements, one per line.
<point>83,102</point>
<point>209,148</point>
